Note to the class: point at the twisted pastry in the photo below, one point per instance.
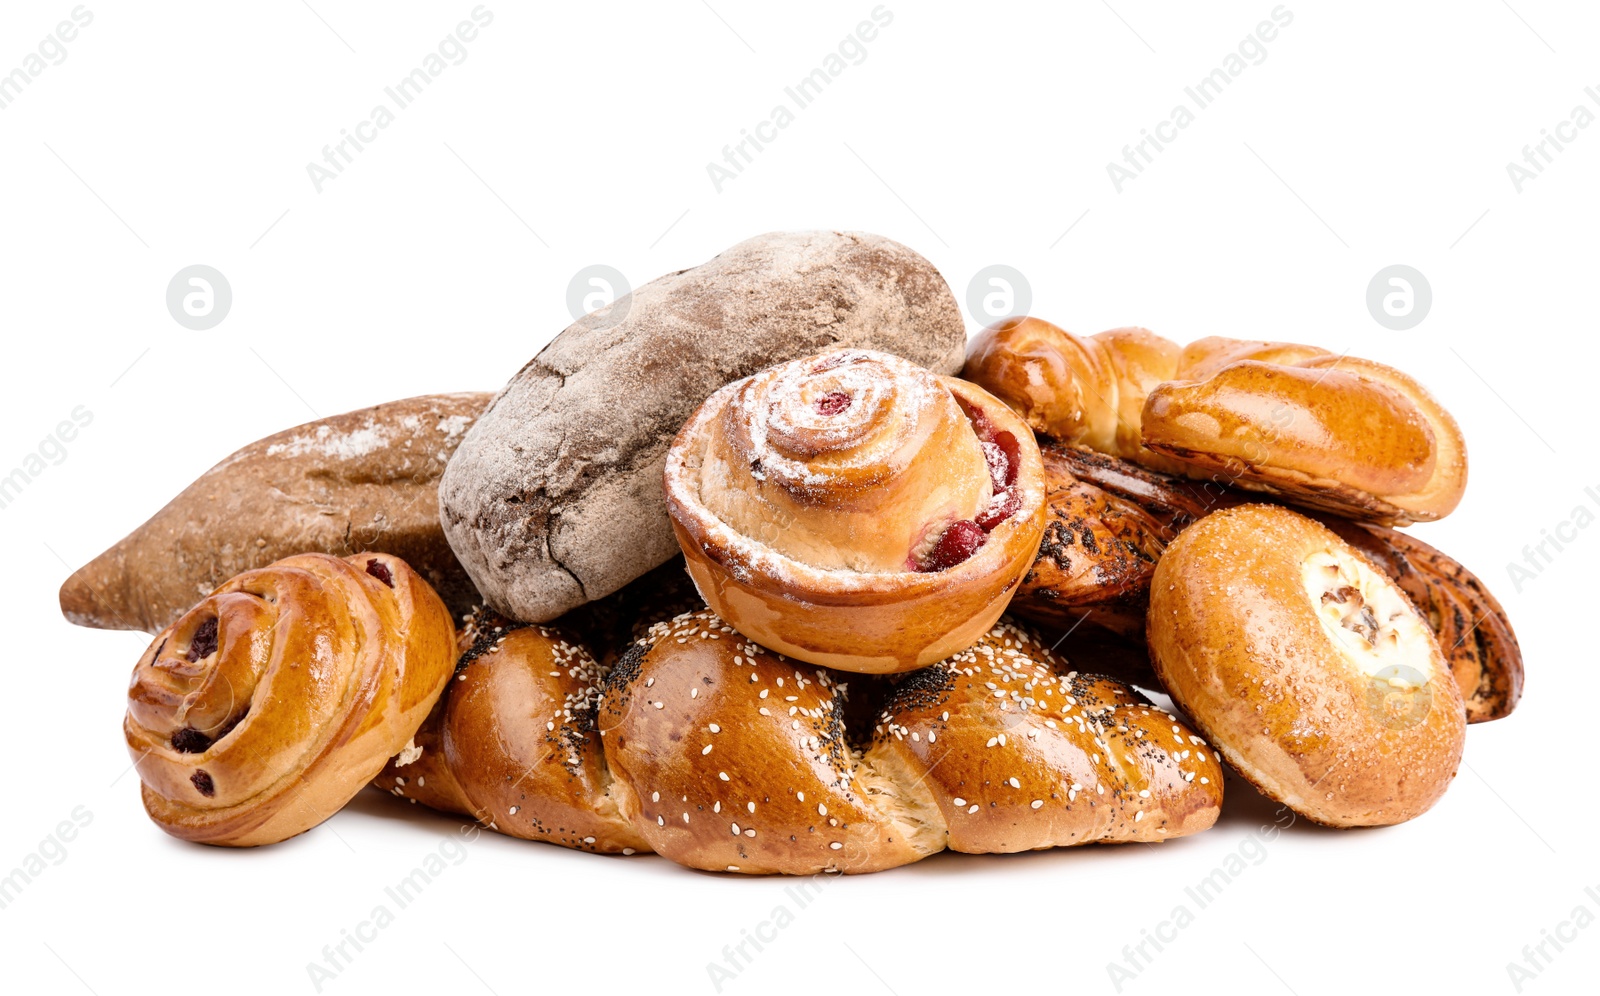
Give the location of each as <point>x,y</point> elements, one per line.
<point>1335,433</point>
<point>721,755</point>
<point>514,746</point>
<point>854,510</point>
<point>266,707</point>
<point>1110,521</point>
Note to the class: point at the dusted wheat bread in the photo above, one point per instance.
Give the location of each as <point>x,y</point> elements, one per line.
<point>364,480</point>
<point>554,497</point>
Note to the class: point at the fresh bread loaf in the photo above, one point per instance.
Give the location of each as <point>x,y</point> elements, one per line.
<point>364,480</point>
<point>721,755</point>
<point>554,497</point>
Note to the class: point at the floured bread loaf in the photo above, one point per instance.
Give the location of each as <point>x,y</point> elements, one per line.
<point>554,497</point>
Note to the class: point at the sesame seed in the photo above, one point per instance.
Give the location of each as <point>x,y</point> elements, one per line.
<point>649,681</point>
<point>735,829</point>
<point>588,840</point>
<point>1013,783</point>
<point>706,750</point>
<point>836,845</point>
<point>655,796</point>
<point>718,807</point>
<point>694,693</point>
<point>822,810</point>
<point>714,728</point>
<point>659,705</point>
<point>972,809</point>
<point>960,801</point>
<point>628,850</point>
<point>1037,803</point>
<point>750,833</point>
<point>514,810</point>
<point>722,775</point>
<point>661,821</point>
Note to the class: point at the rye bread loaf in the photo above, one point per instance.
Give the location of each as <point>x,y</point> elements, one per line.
<point>364,481</point>
<point>554,497</point>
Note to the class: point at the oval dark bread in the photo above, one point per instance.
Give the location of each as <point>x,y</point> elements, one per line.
<point>554,497</point>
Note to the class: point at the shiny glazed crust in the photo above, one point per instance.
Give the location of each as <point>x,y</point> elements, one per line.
<point>1238,642</point>
<point>851,499</point>
<point>266,707</point>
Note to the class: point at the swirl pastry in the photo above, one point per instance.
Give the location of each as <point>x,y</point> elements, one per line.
<point>1312,672</point>
<point>854,510</point>
<point>266,707</point>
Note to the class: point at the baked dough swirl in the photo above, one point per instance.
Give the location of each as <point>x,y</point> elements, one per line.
<point>854,510</point>
<point>266,707</point>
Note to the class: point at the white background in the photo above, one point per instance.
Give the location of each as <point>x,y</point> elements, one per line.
<point>179,133</point>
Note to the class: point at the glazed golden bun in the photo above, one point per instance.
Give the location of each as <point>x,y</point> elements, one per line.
<point>513,744</point>
<point>1338,433</point>
<point>1109,521</point>
<point>1311,671</point>
<point>854,510</point>
<point>1332,432</point>
<point>729,757</point>
<point>1076,389</point>
<point>266,707</point>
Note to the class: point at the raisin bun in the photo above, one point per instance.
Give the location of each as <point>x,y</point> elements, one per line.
<point>856,511</point>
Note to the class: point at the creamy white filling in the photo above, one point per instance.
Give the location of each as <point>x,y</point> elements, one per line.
<point>1369,619</point>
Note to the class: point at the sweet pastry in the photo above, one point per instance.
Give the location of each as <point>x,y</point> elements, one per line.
<point>554,498</point>
<point>854,510</point>
<point>1109,522</point>
<point>1088,390</point>
<point>1333,432</point>
<point>1314,675</point>
<point>267,706</point>
<point>514,745</point>
<point>364,480</point>
<point>1337,433</point>
<point>734,758</point>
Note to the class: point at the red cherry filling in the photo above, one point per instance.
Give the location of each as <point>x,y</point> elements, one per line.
<point>380,570</point>
<point>833,403</point>
<point>963,538</point>
<point>959,542</point>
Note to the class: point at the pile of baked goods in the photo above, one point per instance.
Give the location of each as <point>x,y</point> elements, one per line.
<point>764,569</point>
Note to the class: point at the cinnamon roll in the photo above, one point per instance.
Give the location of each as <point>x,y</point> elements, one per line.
<point>854,510</point>
<point>266,707</point>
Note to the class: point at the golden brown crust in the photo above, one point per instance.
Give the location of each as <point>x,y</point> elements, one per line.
<point>1076,389</point>
<point>266,707</point>
<point>514,743</point>
<point>1335,433</point>
<point>1111,520</point>
<point>364,480</point>
<point>1020,753</point>
<point>729,757</point>
<point>816,502</point>
<point>1352,723</point>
